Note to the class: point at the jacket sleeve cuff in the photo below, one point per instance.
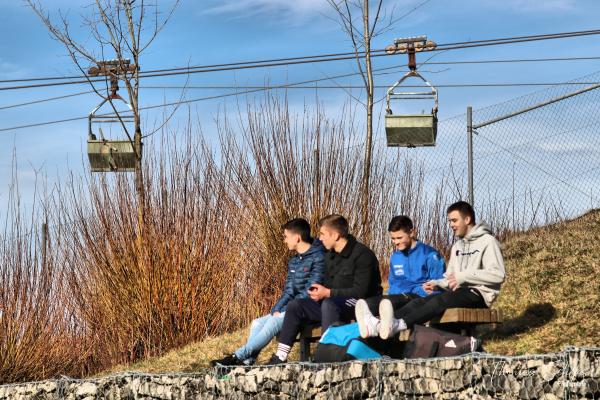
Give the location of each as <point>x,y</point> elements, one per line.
<point>443,283</point>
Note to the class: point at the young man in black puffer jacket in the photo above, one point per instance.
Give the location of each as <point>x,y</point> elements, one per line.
<point>305,268</point>
<point>351,273</point>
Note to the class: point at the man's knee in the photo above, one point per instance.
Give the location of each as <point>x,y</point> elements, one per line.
<point>255,322</point>
<point>328,306</point>
<point>439,301</point>
<point>293,307</point>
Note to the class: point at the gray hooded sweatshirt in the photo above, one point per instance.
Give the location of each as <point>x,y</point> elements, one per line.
<point>476,262</point>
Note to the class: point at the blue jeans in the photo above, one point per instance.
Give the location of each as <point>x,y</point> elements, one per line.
<point>262,330</point>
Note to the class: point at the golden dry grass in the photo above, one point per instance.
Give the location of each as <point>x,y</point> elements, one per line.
<point>558,266</point>
<point>197,356</point>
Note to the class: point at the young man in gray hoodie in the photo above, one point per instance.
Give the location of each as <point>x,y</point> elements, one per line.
<point>473,277</point>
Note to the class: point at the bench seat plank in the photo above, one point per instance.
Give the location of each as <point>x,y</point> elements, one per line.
<point>468,315</point>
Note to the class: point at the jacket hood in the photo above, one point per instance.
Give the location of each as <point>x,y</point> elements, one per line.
<point>478,231</point>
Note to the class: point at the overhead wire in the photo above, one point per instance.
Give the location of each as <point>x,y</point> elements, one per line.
<point>255,89</point>
<point>450,85</point>
<point>305,59</point>
<point>457,85</point>
<point>319,87</point>
<point>301,60</point>
<point>28,103</point>
<point>196,100</point>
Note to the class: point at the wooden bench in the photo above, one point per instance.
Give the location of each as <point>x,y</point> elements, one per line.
<point>463,320</point>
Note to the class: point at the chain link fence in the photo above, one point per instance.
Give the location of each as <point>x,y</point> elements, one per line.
<point>531,169</point>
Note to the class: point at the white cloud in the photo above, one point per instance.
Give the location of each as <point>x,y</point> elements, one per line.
<point>9,70</point>
<point>572,147</point>
<point>533,6</point>
<point>249,8</point>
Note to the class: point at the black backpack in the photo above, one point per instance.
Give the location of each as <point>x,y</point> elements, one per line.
<point>425,342</point>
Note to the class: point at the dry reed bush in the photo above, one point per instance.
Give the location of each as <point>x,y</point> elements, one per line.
<point>37,338</point>
<point>137,301</point>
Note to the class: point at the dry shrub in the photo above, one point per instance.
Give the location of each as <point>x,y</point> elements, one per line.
<point>37,336</point>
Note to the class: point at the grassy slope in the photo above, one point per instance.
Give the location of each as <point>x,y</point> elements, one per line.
<point>553,273</point>
<point>559,265</point>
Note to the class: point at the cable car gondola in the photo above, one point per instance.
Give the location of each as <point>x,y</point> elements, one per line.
<point>411,130</point>
<point>107,155</point>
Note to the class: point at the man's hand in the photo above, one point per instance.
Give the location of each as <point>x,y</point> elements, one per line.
<point>429,287</point>
<point>276,314</point>
<point>452,283</point>
<point>318,292</point>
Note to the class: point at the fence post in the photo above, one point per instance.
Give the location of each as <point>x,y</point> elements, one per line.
<point>470,153</point>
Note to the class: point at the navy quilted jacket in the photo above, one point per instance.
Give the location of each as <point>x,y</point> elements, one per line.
<point>303,270</point>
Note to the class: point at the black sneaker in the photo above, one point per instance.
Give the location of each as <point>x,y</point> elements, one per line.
<point>274,360</point>
<point>227,360</point>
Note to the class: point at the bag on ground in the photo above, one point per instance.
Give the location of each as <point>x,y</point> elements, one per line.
<point>425,342</point>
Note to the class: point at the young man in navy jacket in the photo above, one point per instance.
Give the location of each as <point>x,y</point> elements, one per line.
<point>305,268</point>
<point>411,265</point>
<point>351,273</point>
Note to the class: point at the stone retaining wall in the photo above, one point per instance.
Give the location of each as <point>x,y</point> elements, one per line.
<point>572,374</point>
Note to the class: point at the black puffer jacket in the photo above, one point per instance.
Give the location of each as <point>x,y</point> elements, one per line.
<point>354,272</point>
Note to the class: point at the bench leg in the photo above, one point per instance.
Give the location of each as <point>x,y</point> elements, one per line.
<point>304,349</point>
<point>468,330</point>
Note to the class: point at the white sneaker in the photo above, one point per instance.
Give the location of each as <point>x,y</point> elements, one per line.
<point>367,323</point>
<point>386,314</point>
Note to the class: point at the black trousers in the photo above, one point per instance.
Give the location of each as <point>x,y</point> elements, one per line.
<point>302,312</point>
<point>398,301</point>
<point>423,309</point>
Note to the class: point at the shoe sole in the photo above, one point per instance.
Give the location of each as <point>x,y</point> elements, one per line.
<point>386,315</point>
<point>361,311</point>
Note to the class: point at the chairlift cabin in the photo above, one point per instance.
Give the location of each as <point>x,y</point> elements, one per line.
<point>411,130</point>
<point>105,154</point>
<point>108,155</point>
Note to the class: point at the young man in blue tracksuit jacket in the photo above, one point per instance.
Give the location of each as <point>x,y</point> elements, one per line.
<point>305,268</point>
<point>411,265</point>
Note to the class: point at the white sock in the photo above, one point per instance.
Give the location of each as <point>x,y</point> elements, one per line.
<point>283,350</point>
<point>398,325</point>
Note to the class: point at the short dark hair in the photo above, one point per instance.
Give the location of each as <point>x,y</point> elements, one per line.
<point>464,208</point>
<point>337,223</point>
<point>299,226</point>
<point>400,223</point>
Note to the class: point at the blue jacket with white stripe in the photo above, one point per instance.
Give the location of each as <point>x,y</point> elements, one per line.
<point>409,269</point>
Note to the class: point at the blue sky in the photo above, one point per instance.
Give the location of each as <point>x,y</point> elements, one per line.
<point>212,32</point>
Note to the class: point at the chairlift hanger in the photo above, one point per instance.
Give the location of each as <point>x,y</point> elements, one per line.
<point>411,130</point>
